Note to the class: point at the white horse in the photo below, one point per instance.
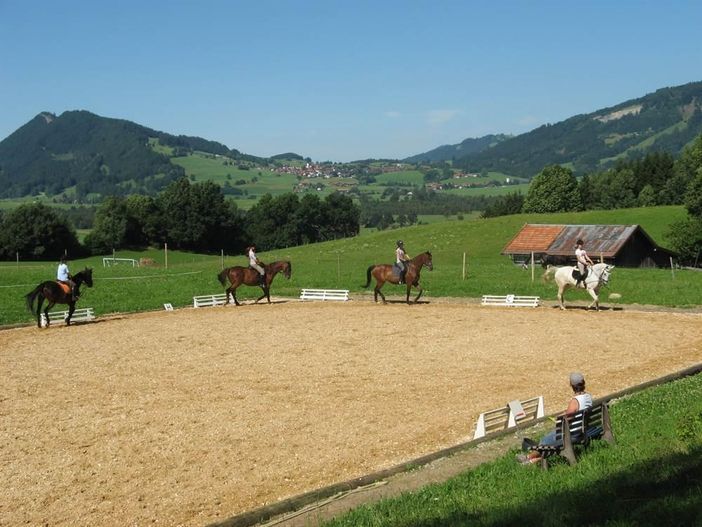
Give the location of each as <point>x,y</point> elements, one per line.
<point>597,276</point>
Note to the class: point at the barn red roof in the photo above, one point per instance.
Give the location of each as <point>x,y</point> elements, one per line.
<point>533,237</point>
<point>559,240</point>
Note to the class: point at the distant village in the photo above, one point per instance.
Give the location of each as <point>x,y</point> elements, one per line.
<point>310,173</point>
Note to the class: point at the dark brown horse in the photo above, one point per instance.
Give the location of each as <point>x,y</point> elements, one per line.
<point>54,293</point>
<point>385,273</point>
<point>238,275</point>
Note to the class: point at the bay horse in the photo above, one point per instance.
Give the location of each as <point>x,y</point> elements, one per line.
<point>597,276</point>
<point>55,293</point>
<point>238,275</point>
<point>384,273</point>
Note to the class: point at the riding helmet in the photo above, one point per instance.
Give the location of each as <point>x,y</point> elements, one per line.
<point>400,243</point>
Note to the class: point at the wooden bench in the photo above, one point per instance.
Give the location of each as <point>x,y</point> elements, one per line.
<point>582,427</point>
<point>84,314</point>
<point>210,300</point>
<point>341,295</point>
<point>511,301</point>
<point>508,416</point>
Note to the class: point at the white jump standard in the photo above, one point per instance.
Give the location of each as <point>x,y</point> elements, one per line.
<point>511,301</point>
<point>210,300</point>
<point>341,295</point>
<point>510,415</point>
<point>84,314</point>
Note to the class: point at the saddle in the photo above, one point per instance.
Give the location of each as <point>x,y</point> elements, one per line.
<point>64,287</point>
<point>396,270</point>
<point>576,274</point>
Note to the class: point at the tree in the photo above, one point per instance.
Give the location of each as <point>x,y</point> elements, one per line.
<point>36,232</point>
<point>110,227</point>
<point>342,216</point>
<point>647,196</point>
<point>693,197</point>
<point>554,189</point>
<point>196,217</point>
<point>685,238</point>
<point>512,203</point>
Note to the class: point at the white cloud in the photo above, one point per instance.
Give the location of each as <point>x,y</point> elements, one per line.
<point>439,117</point>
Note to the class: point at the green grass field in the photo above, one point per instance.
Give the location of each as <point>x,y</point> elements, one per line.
<point>342,264</point>
<point>651,476</point>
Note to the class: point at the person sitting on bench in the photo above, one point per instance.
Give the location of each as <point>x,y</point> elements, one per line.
<point>580,401</point>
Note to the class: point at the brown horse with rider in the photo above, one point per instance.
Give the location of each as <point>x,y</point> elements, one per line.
<point>387,273</point>
<point>239,275</point>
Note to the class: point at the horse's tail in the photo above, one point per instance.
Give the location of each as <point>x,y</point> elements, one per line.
<point>31,296</point>
<point>368,275</point>
<point>222,277</point>
<point>549,273</point>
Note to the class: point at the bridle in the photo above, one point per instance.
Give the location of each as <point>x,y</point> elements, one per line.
<point>600,280</point>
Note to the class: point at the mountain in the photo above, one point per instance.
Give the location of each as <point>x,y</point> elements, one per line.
<point>464,148</point>
<point>92,154</point>
<point>665,120</point>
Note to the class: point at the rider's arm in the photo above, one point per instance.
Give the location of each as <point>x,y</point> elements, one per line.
<point>573,406</point>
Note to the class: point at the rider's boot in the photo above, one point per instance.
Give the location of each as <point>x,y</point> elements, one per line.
<point>262,280</point>
<point>74,294</point>
<point>402,278</point>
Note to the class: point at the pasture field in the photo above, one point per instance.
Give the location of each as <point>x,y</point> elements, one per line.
<point>490,191</point>
<point>196,415</point>
<point>403,177</point>
<point>342,264</point>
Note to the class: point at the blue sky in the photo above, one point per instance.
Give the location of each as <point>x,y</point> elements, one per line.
<point>340,80</point>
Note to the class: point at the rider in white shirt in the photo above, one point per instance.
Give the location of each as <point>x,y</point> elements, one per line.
<point>64,275</point>
<point>583,261</point>
<point>401,259</point>
<point>255,263</point>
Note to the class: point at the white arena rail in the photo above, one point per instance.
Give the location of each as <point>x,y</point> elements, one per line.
<point>211,300</point>
<point>325,294</point>
<point>511,301</point>
<point>84,314</point>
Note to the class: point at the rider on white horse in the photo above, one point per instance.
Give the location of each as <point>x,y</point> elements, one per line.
<point>583,262</point>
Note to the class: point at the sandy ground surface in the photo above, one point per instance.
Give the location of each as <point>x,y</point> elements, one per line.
<point>193,416</point>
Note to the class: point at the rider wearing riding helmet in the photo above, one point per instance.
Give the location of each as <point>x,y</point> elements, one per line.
<point>256,264</point>
<point>583,261</point>
<point>401,259</point>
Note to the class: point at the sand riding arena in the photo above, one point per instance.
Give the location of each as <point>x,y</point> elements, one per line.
<point>196,415</point>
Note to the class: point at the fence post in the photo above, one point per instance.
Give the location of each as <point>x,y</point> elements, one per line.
<point>165,252</point>
<point>464,265</point>
<point>672,269</point>
<point>532,266</point>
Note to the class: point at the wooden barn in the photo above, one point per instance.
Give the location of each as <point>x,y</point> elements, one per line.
<point>622,245</point>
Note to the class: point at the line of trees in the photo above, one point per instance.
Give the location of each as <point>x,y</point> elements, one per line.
<point>188,216</point>
<point>656,179</point>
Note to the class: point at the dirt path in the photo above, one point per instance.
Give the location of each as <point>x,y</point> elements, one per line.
<point>193,416</point>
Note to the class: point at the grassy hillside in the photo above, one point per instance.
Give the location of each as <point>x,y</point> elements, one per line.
<point>342,264</point>
<point>663,121</point>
